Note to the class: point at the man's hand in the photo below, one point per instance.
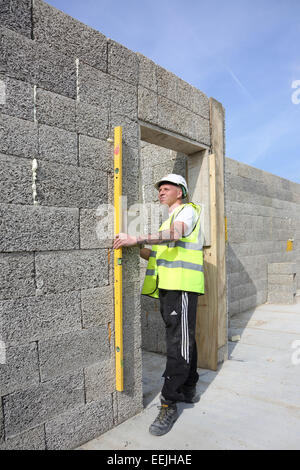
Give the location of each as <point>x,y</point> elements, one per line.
<point>123,239</point>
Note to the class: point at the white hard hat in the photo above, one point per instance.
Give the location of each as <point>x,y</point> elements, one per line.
<point>175,179</point>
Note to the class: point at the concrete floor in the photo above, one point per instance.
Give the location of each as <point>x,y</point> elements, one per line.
<point>251,402</point>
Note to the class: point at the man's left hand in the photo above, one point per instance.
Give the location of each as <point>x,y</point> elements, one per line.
<point>123,239</point>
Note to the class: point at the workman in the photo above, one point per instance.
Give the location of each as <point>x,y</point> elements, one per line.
<point>174,275</point>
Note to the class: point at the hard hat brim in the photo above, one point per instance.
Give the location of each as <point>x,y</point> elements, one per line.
<point>157,185</point>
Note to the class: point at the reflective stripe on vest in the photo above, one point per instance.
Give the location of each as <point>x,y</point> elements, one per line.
<point>150,272</point>
<point>179,266</point>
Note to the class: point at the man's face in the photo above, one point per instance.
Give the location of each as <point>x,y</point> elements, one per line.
<point>169,194</point>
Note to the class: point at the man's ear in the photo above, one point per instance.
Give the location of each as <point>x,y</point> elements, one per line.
<point>181,197</point>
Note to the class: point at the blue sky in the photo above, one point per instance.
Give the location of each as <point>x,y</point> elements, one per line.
<point>244,53</point>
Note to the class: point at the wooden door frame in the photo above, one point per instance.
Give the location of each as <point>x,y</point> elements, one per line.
<point>212,315</point>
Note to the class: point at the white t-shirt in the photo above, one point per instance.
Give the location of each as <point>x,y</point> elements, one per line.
<point>188,215</point>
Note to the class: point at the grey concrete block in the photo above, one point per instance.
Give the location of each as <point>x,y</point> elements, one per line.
<point>154,155</point>
<point>248,171</point>
<point>129,403</point>
<point>95,153</point>
<point>68,352</point>
<point>68,35</point>
<point>21,369</point>
<point>43,317</point>
<point>37,64</point>
<point>150,194</point>
<point>97,306</point>
<point>56,72</point>
<point>55,110</point>
<point>65,271</point>
<point>19,98</point>
<point>154,331</point>
<point>131,158</point>
<point>166,83</point>
<point>147,105</point>
<point>80,425</point>
<point>222,353</point>
<point>168,115</point>
<point>261,296</point>
<point>26,228</point>
<point>68,185</point>
<point>131,318</point>
<point>34,439</point>
<point>283,288</point>
<point>18,137</point>
<point>192,98</point>
<point>16,275</point>
<point>58,145</point>
<point>175,89</point>
<point>131,263</point>
<point>234,308</point>
<point>16,15</point>
<point>5,6</point>
<point>27,409</point>
<point>148,305</point>
<point>281,268</point>
<point>178,119</point>
<point>231,166</point>
<point>130,131</point>
<point>281,298</point>
<point>154,334</point>
<point>133,375</point>
<point>147,73</point>
<point>236,293</point>
<point>282,279</point>
<point>22,63</point>
<point>93,86</point>
<point>122,62</point>
<point>248,302</point>
<point>161,342</point>
<point>15,180</point>
<point>200,132</point>
<point>131,184</point>
<point>123,99</point>
<point>90,121</point>
<point>241,183</point>
<point>97,227</point>
<point>100,379</point>
<point>169,167</point>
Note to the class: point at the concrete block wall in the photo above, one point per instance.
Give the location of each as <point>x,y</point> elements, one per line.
<point>282,283</point>
<point>57,319</point>
<point>66,87</point>
<point>263,213</point>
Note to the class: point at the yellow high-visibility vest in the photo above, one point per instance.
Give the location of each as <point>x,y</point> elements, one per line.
<point>176,265</point>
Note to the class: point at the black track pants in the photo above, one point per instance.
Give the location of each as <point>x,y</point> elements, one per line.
<point>178,310</point>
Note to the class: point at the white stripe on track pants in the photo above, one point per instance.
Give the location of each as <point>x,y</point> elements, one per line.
<point>178,310</point>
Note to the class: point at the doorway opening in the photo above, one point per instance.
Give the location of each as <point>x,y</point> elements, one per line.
<point>161,153</point>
